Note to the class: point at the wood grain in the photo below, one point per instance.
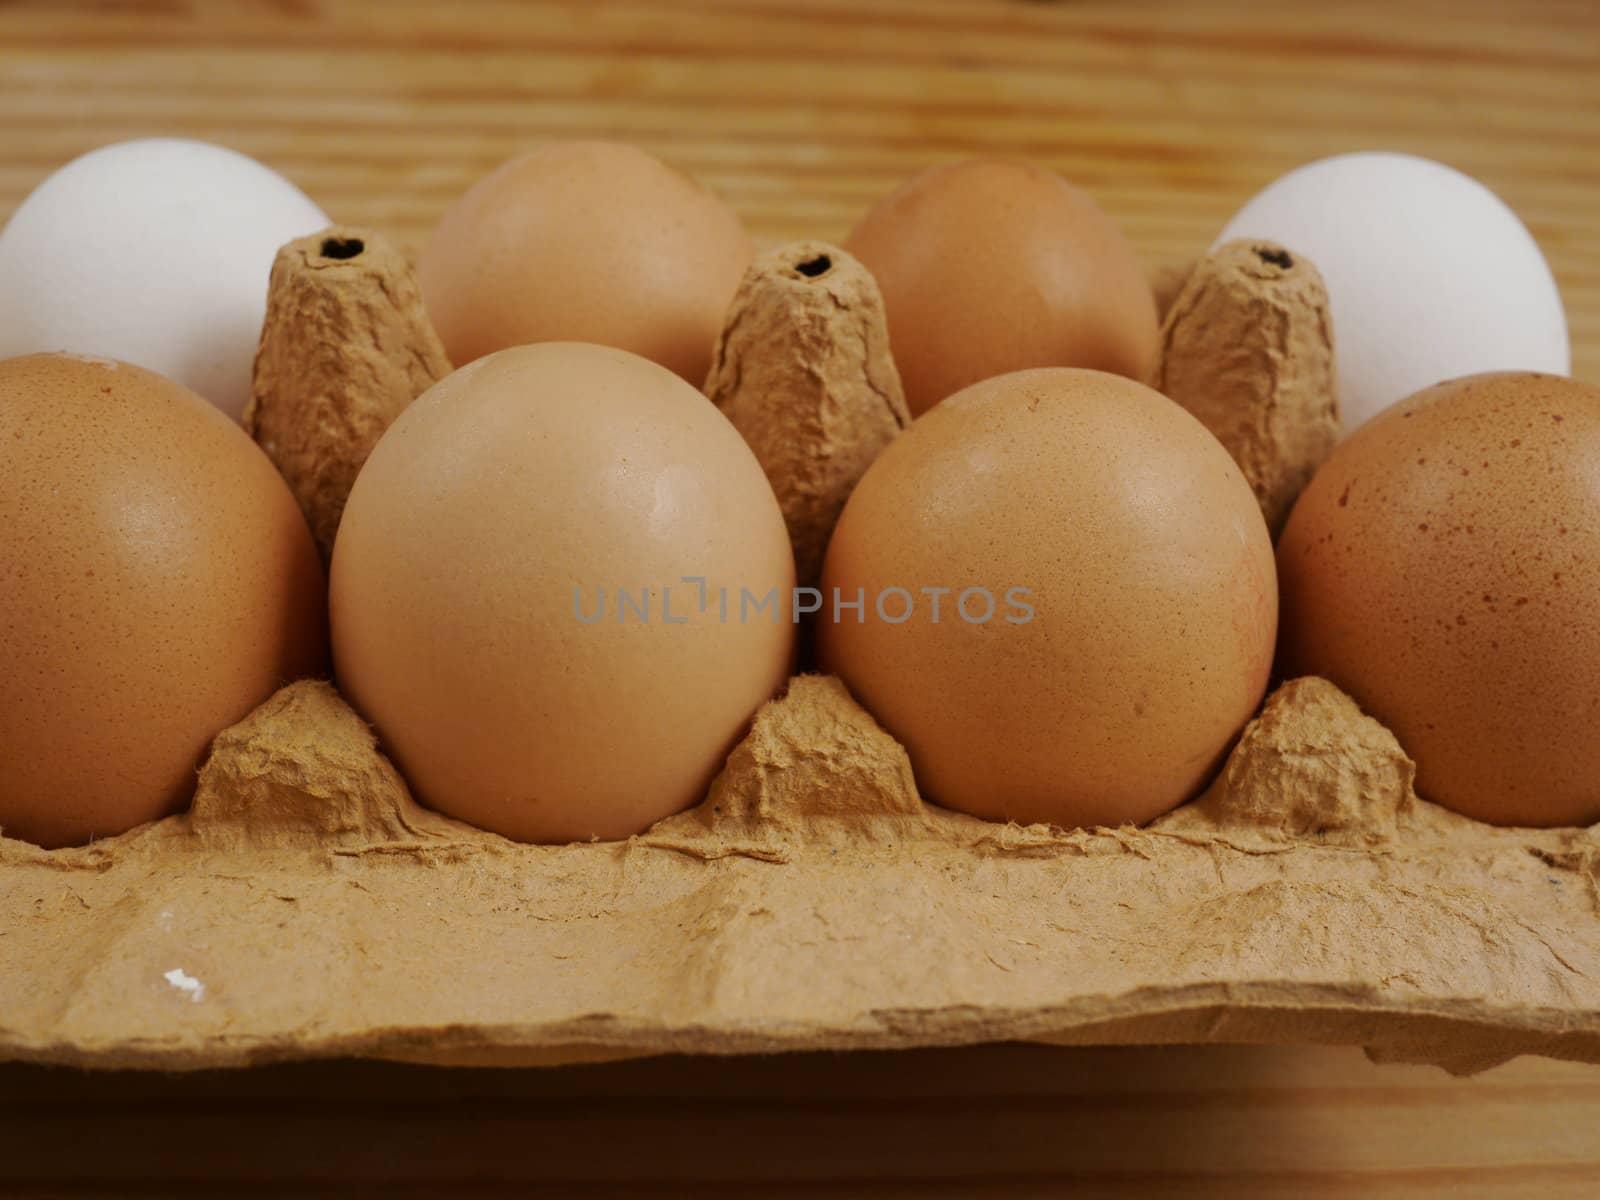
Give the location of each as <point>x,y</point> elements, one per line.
<point>1171,113</point>
<point>1239,1123</point>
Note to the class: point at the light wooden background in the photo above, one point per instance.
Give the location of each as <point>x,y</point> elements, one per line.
<point>1200,1123</point>
<point>802,112</point>
<point>1171,112</point>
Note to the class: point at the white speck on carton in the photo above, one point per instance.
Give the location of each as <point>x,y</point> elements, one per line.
<point>184,982</point>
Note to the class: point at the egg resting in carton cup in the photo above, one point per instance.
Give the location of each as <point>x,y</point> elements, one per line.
<point>811,901</point>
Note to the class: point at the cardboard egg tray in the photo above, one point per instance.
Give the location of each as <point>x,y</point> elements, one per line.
<point>306,907</point>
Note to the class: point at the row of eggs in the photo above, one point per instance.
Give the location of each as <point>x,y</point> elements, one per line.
<point>163,583</point>
<point>985,267</point>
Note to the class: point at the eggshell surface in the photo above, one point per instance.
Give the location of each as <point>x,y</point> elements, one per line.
<point>1429,274</point>
<point>989,266</point>
<point>477,615</point>
<point>157,582</point>
<point>1150,579</point>
<point>1443,567</point>
<point>586,241</point>
<point>156,252</point>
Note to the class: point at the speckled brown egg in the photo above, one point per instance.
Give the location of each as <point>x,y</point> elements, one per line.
<point>538,593</point>
<point>587,242</point>
<point>1443,567</point>
<point>1068,600</point>
<point>157,582</point>
<point>989,266</point>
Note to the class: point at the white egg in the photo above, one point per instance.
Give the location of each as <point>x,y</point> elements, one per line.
<point>1430,275</point>
<point>156,252</point>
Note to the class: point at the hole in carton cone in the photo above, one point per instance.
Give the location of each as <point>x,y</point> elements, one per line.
<point>813,267</point>
<point>1278,258</point>
<point>342,248</point>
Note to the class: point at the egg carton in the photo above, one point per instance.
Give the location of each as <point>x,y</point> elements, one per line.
<point>307,907</point>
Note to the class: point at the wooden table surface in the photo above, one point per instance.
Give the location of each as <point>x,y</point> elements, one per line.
<point>1171,112</point>
<point>1203,1123</point>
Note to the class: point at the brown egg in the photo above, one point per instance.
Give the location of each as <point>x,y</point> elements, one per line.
<point>589,242</point>
<point>991,266</point>
<point>157,582</point>
<point>1443,567</point>
<point>514,595</point>
<point>1109,688</point>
